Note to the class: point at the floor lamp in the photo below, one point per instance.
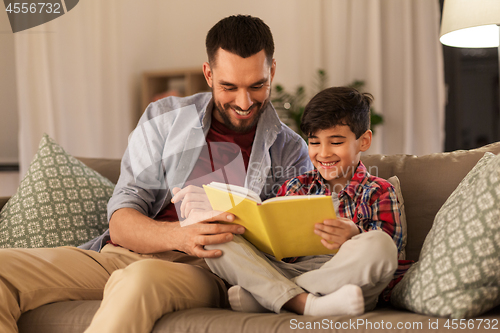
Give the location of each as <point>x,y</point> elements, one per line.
<point>471,23</point>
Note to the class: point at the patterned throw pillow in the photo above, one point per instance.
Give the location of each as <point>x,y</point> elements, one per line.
<point>458,272</point>
<point>59,202</point>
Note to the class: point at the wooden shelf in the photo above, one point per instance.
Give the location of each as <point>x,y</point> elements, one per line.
<point>184,82</point>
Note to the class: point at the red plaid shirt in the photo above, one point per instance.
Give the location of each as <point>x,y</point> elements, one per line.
<point>368,201</point>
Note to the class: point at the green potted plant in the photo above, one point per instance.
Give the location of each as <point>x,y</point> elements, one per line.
<point>290,105</point>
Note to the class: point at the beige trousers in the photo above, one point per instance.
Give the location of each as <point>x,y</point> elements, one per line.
<point>136,289</point>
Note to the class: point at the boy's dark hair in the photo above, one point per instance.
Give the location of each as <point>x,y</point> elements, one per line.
<point>242,35</point>
<point>337,106</point>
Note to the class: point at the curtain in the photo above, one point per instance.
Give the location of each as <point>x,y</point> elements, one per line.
<point>78,81</point>
<point>391,45</point>
<point>78,76</point>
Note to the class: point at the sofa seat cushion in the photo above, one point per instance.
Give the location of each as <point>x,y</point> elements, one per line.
<point>75,316</point>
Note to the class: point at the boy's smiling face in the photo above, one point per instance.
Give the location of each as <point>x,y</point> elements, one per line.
<point>335,152</point>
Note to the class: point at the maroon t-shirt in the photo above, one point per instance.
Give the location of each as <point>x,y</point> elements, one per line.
<point>224,159</point>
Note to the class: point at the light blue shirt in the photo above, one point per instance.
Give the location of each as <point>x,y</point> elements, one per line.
<point>165,146</point>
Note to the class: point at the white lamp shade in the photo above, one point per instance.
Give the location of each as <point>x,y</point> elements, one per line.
<point>470,23</point>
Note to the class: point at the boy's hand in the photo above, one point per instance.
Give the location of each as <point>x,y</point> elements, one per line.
<point>336,232</point>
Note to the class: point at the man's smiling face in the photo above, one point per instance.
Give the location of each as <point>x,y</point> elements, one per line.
<point>241,88</point>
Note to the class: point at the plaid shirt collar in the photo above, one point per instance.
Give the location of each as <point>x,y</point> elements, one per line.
<point>320,186</point>
<point>359,178</point>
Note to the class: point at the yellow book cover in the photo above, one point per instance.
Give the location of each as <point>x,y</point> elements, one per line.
<point>281,226</point>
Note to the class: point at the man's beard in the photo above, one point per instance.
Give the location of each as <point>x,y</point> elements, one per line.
<point>243,128</point>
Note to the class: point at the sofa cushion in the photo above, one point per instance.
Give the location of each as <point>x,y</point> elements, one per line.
<point>426,182</point>
<point>59,202</point>
<point>458,272</point>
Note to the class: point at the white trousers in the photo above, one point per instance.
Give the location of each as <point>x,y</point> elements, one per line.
<point>368,260</point>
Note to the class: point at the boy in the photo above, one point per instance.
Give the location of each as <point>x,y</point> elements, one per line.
<point>367,231</point>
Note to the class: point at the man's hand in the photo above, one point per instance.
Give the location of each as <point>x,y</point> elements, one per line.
<point>198,229</point>
<point>336,232</point>
<point>193,199</point>
<point>139,233</point>
<point>193,237</point>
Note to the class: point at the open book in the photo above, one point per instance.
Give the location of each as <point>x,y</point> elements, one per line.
<point>281,226</point>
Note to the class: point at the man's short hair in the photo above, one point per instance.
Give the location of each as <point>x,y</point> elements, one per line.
<point>337,106</point>
<point>242,35</point>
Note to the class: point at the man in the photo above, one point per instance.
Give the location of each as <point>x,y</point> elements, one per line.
<point>147,265</point>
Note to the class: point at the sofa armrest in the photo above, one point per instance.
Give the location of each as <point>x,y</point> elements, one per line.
<point>3,201</point>
<point>109,168</point>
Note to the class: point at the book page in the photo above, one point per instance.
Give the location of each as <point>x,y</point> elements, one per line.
<point>237,190</point>
<point>293,197</point>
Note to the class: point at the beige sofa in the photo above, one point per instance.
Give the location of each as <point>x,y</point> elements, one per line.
<point>426,182</point>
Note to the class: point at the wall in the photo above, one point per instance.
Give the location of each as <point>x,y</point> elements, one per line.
<point>87,69</point>
<point>8,94</point>
<point>89,64</point>
<point>181,44</point>
<point>479,94</point>
<point>186,23</point>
